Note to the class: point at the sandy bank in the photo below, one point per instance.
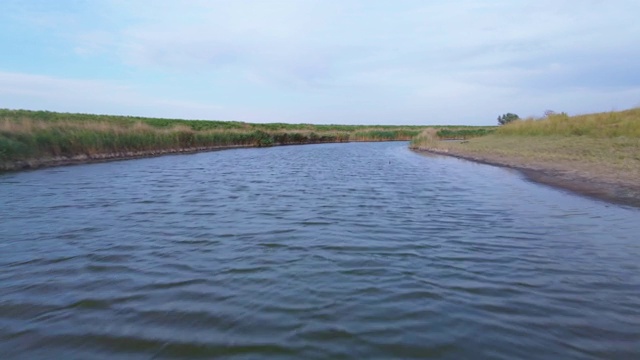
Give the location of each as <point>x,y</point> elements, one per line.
<point>584,178</point>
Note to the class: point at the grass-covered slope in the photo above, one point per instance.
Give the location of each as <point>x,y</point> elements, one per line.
<point>36,138</point>
<point>600,125</point>
<point>602,148</point>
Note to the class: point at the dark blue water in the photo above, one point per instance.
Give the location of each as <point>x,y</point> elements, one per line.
<point>335,251</point>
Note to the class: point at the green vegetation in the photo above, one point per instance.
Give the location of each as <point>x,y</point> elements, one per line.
<point>35,135</point>
<point>604,147</point>
<point>507,118</point>
<point>601,125</point>
<point>562,127</point>
<point>433,135</point>
<point>463,133</point>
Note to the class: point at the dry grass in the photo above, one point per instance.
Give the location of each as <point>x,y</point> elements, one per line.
<point>603,147</point>
<point>600,125</point>
<point>428,138</point>
<point>29,126</point>
<point>26,135</point>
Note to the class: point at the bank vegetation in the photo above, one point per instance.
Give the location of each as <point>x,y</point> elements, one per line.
<point>31,139</point>
<point>598,152</point>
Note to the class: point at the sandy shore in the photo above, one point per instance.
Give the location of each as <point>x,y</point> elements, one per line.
<point>608,186</point>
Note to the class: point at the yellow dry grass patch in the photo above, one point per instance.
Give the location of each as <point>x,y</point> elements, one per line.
<point>610,160</point>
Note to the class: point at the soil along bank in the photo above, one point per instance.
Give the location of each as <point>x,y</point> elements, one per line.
<point>31,139</point>
<point>596,155</point>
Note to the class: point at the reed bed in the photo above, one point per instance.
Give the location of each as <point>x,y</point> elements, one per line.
<point>431,137</point>
<point>30,139</point>
<point>27,135</point>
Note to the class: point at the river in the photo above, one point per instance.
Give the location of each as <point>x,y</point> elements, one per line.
<point>332,251</point>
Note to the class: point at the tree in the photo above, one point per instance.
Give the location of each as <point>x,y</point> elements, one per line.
<point>507,118</point>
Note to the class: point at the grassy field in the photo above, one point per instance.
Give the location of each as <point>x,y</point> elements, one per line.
<point>26,136</point>
<point>602,147</point>
<point>600,125</point>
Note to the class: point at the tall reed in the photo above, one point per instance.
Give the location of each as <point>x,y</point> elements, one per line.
<point>28,135</point>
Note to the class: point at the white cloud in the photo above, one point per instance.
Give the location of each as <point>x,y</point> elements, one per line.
<point>358,61</point>
<point>38,92</point>
<point>305,38</point>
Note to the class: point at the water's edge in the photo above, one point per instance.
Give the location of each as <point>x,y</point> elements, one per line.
<point>47,162</point>
<point>39,163</point>
<point>609,192</point>
<point>615,193</point>
<point>346,251</point>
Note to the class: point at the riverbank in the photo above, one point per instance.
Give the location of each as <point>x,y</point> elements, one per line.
<point>600,182</point>
<point>598,156</point>
<point>45,162</point>
<point>34,139</point>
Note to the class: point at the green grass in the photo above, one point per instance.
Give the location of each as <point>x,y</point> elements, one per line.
<point>28,135</point>
<point>464,133</point>
<point>196,125</point>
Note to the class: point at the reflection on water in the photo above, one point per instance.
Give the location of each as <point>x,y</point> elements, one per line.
<point>362,250</point>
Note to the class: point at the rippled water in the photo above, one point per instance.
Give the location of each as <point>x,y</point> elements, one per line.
<point>362,250</point>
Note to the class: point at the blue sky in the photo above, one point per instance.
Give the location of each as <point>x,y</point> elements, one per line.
<point>321,61</point>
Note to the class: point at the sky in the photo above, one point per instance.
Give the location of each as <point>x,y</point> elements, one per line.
<point>412,62</point>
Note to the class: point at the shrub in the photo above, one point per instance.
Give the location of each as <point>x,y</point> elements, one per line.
<point>507,118</point>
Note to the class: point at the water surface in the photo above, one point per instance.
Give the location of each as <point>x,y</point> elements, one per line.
<point>350,251</point>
